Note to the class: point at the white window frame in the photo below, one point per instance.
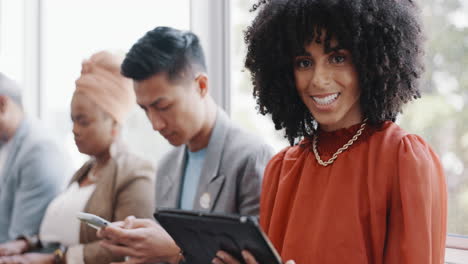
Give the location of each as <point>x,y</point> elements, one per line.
<point>210,20</point>
<point>22,17</point>
<point>32,99</point>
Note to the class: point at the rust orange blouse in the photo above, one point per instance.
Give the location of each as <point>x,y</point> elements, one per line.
<point>382,201</point>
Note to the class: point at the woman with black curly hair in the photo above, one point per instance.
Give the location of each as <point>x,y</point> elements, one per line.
<point>353,187</point>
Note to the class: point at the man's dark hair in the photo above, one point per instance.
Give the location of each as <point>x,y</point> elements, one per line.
<point>383,36</point>
<point>164,50</point>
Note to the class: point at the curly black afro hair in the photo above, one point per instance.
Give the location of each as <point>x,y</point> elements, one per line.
<point>383,36</point>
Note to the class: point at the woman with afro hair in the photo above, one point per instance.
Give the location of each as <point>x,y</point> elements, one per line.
<point>353,187</point>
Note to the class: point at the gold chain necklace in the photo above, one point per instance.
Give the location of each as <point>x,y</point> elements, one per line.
<point>340,150</point>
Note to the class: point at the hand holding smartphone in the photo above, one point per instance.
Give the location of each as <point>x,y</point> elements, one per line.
<point>93,221</point>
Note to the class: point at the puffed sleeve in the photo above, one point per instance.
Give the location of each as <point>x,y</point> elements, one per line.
<point>418,215</point>
<point>269,188</point>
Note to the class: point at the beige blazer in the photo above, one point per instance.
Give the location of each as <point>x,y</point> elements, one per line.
<point>126,187</point>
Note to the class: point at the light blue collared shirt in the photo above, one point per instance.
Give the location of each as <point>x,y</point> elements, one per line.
<point>193,169</point>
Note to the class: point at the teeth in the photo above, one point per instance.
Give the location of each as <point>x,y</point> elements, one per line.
<point>325,100</point>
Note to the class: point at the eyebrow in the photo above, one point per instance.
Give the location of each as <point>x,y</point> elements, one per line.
<point>304,52</point>
<point>77,117</point>
<point>336,48</point>
<point>154,103</point>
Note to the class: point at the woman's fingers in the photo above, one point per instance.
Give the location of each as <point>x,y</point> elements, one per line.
<point>224,258</point>
<point>248,257</point>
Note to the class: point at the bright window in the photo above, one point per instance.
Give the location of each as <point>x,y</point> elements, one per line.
<point>12,39</point>
<point>441,115</point>
<point>243,105</point>
<point>73,30</point>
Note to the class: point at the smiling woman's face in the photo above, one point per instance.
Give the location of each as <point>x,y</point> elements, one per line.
<point>92,127</point>
<point>328,84</point>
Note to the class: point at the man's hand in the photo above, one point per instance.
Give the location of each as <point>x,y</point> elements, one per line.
<point>14,247</point>
<point>28,258</point>
<point>223,257</point>
<point>142,240</point>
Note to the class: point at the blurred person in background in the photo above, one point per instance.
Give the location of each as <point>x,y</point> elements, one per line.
<point>113,184</point>
<point>32,167</point>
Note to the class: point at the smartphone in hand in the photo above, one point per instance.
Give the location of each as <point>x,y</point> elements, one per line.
<point>93,221</point>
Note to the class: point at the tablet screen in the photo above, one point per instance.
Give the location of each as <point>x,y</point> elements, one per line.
<point>201,235</point>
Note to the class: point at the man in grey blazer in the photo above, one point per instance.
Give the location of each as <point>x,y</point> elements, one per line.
<point>230,178</point>
<point>215,167</point>
<point>32,169</point>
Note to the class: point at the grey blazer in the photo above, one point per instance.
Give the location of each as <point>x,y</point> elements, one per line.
<point>231,175</point>
<point>34,172</point>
